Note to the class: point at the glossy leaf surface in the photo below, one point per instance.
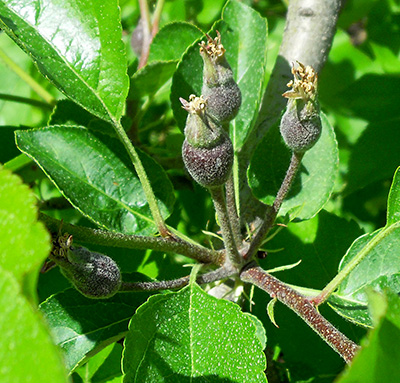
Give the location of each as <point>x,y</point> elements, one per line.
<point>314,182</point>
<point>77,45</point>
<point>172,40</point>
<point>393,209</point>
<point>151,77</point>
<point>166,49</point>
<point>378,360</point>
<point>189,336</point>
<point>80,325</point>
<point>103,367</point>
<point>380,269</point>
<point>94,173</point>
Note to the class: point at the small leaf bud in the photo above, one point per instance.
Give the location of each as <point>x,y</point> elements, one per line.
<point>301,123</point>
<point>95,275</point>
<point>207,151</point>
<point>219,87</point>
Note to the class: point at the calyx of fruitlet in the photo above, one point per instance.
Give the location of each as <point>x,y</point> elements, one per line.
<point>219,87</point>
<point>95,275</point>
<point>301,123</point>
<point>207,151</point>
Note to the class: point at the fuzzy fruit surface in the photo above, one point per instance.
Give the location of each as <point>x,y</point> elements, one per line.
<point>200,132</point>
<point>300,126</point>
<point>94,275</point>
<point>223,101</point>
<point>220,90</point>
<point>209,166</point>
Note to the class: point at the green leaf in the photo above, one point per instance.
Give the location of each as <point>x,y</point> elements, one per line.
<point>386,58</point>
<point>172,40</point>
<point>393,209</point>
<point>104,366</point>
<point>27,352</point>
<point>352,310</point>
<point>187,80</point>
<point>67,112</point>
<point>80,325</point>
<point>166,49</point>
<point>77,45</point>
<point>245,54</point>
<point>151,77</point>
<point>8,150</point>
<point>12,85</point>
<point>189,334</point>
<point>95,174</point>
<point>247,42</point>
<point>270,311</point>
<point>379,269</point>
<point>372,97</point>
<point>354,11</point>
<point>367,166</point>
<point>378,360</point>
<point>315,181</point>
<point>24,242</point>
<point>260,330</point>
<point>347,63</point>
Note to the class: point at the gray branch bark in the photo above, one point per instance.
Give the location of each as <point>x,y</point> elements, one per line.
<point>310,27</point>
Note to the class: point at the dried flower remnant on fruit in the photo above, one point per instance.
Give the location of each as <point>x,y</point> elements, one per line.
<point>207,151</point>
<point>304,84</point>
<point>214,48</point>
<point>301,123</point>
<point>61,245</point>
<point>195,104</point>
<point>220,90</point>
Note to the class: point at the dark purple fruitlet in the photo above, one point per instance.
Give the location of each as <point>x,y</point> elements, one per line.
<point>301,123</point>
<point>207,151</point>
<point>219,87</point>
<point>95,275</point>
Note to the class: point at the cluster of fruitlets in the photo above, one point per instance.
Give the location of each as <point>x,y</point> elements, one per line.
<point>207,150</point>
<point>207,153</point>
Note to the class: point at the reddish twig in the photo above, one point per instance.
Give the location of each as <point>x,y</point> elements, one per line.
<point>302,307</point>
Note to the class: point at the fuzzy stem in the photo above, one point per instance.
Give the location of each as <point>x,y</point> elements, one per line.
<point>335,282</point>
<point>25,100</point>
<point>106,238</point>
<point>217,194</point>
<point>273,211</point>
<point>302,307</point>
<point>43,93</point>
<point>157,17</point>
<point>145,16</point>
<point>148,191</point>
<point>232,212</point>
<point>210,277</point>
